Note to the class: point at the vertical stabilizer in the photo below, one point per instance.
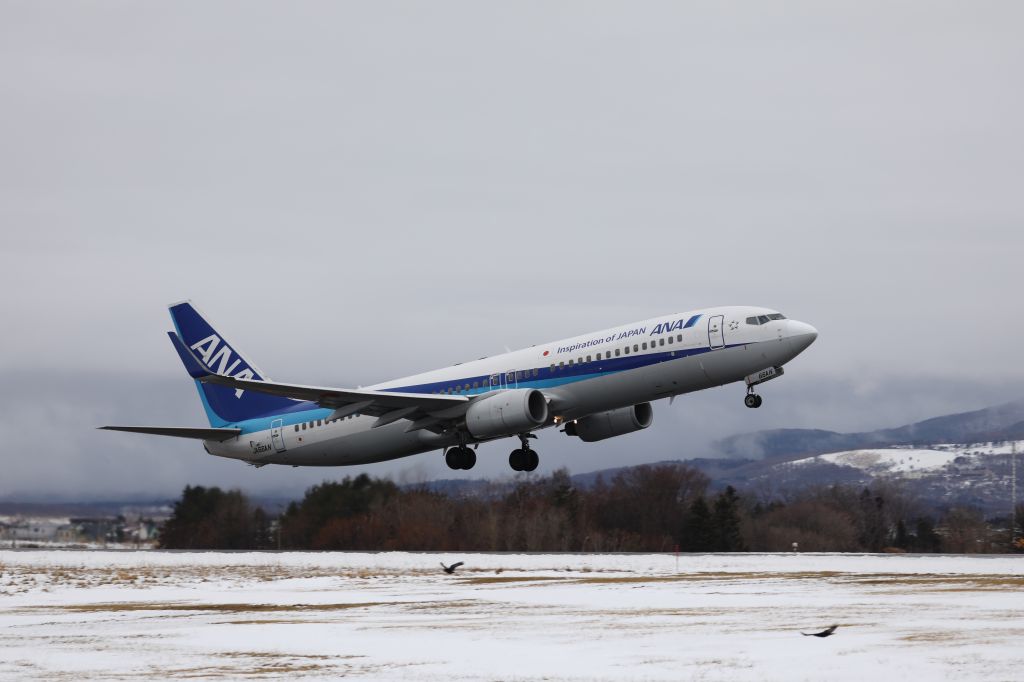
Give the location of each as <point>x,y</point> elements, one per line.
<point>223,405</point>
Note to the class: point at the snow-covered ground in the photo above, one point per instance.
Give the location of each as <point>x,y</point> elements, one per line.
<point>902,460</point>
<point>395,616</point>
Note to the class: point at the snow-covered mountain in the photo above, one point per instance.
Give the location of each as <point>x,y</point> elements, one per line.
<point>915,462</point>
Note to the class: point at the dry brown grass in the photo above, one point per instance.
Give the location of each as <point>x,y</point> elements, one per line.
<point>943,637</point>
<point>490,580</point>
<point>944,583</point>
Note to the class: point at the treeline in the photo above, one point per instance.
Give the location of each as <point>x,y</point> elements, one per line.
<point>643,509</point>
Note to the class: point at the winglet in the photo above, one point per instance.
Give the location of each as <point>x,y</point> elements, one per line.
<point>195,369</point>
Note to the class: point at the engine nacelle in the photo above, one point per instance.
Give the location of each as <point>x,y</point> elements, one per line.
<point>507,413</point>
<point>612,423</point>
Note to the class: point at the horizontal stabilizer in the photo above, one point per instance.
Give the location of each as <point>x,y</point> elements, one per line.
<point>218,435</point>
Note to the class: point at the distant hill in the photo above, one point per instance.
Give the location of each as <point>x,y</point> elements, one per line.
<point>752,458</point>
<point>1002,422</point>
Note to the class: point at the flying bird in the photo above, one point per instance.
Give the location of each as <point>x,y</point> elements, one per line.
<point>824,633</point>
<point>451,569</point>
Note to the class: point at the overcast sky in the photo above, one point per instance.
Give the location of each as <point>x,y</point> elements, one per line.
<point>358,191</point>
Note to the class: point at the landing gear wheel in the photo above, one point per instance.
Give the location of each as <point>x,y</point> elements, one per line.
<point>523,459</point>
<point>517,459</point>
<point>467,458</point>
<point>758,404</point>
<point>453,458</point>
<point>752,400</point>
<point>532,460</point>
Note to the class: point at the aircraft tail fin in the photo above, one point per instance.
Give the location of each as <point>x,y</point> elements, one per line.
<point>198,342</point>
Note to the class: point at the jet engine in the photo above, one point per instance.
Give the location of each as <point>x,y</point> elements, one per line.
<point>612,423</point>
<point>507,413</point>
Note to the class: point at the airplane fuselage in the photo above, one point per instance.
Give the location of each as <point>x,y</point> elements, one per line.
<point>580,376</point>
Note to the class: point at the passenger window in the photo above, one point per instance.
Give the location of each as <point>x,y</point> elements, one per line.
<point>476,384</point>
<point>627,350</point>
<point>661,342</point>
<point>635,348</point>
<point>296,427</point>
<point>616,352</point>
<point>679,338</point>
<point>645,345</point>
<point>570,362</point>
<point>561,365</point>
<point>536,371</point>
<point>588,358</point>
<point>607,355</point>
<point>670,339</point>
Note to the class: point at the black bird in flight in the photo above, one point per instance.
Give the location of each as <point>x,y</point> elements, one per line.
<point>451,569</point>
<point>824,633</point>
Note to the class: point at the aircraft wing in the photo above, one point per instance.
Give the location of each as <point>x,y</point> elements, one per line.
<point>218,435</point>
<point>424,410</point>
<point>377,402</point>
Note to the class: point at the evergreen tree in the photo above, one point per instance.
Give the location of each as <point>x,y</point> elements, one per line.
<point>925,537</point>
<point>902,538</point>
<point>697,533</point>
<point>725,522</point>
<point>209,518</point>
<point>873,530</point>
<point>329,503</point>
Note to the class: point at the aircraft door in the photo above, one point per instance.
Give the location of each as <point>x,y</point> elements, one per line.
<point>716,333</point>
<point>277,434</point>
<point>495,382</point>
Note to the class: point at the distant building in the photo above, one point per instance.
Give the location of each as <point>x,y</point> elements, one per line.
<point>31,530</point>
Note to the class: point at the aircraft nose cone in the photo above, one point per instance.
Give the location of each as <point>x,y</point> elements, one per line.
<point>801,335</point>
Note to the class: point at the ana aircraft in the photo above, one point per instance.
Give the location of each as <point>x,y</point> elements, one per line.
<point>594,386</point>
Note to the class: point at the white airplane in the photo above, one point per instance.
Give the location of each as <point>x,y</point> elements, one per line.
<point>594,386</point>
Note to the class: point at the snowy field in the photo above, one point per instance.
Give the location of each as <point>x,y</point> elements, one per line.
<point>69,615</point>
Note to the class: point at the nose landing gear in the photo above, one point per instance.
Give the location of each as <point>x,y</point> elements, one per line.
<point>753,400</point>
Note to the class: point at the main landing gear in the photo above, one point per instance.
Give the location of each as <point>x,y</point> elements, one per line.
<point>524,458</point>
<point>752,399</point>
<point>460,457</point>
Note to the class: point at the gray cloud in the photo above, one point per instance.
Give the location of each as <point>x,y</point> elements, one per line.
<point>360,192</point>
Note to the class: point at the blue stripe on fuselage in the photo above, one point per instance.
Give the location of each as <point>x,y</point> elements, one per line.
<point>306,411</point>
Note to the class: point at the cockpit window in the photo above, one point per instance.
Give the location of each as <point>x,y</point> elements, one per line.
<point>764,319</point>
